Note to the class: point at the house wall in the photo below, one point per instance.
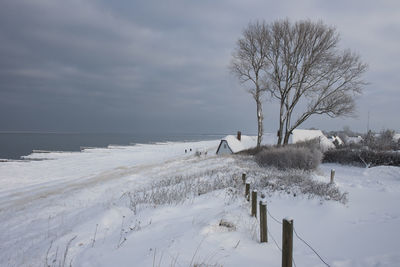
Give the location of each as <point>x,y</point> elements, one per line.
<point>224,148</point>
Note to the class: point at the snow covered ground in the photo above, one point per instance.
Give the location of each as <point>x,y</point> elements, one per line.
<point>78,208</point>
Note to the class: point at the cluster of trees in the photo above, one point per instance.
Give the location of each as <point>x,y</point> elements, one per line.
<point>375,149</point>
<point>381,142</point>
<point>384,140</point>
<point>297,63</point>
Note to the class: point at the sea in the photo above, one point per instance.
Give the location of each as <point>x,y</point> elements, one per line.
<point>16,145</point>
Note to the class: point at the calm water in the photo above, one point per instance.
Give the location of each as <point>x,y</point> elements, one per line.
<point>15,145</point>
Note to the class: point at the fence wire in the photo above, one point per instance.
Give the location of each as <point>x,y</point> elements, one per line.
<point>301,239</point>
<point>274,240</point>
<point>276,220</point>
<point>308,245</point>
<point>276,243</point>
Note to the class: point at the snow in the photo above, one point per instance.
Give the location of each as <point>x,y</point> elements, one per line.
<point>45,204</point>
<point>299,135</point>
<point>354,140</point>
<point>55,167</point>
<point>246,142</point>
<point>336,138</point>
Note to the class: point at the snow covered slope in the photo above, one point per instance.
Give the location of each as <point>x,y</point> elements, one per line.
<point>75,204</point>
<point>56,167</point>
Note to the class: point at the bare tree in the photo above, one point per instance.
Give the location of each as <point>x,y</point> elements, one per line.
<point>249,65</point>
<point>304,65</point>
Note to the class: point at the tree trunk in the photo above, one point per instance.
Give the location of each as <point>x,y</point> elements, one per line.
<point>287,136</point>
<point>260,122</point>
<point>281,122</point>
<point>280,133</point>
<point>288,129</point>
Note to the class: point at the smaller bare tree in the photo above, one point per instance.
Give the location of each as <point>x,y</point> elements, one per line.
<point>249,65</point>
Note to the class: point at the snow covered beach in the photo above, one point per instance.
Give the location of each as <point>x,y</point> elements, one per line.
<point>79,205</point>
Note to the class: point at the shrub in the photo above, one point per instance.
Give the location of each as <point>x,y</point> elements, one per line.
<point>252,151</point>
<point>290,157</point>
<point>382,142</point>
<point>312,144</point>
<point>386,141</point>
<point>342,156</point>
<point>297,181</point>
<point>362,157</point>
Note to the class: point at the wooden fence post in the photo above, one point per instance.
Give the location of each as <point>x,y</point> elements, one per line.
<point>263,222</point>
<point>247,191</point>
<point>254,203</point>
<point>244,178</point>
<point>287,242</point>
<point>332,176</point>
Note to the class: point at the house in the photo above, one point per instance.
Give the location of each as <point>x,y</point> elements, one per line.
<point>354,139</point>
<point>396,137</point>
<point>299,135</point>
<point>336,139</point>
<point>233,144</point>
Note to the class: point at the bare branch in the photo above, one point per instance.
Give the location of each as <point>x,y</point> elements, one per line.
<point>296,63</point>
<point>304,64</point>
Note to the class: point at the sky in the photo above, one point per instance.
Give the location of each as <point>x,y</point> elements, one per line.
<point>162,66</point>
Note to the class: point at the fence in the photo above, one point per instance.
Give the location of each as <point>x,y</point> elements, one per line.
<point>287,226</point>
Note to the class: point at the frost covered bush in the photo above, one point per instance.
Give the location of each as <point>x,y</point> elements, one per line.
<point>312,144</point>
<point>381,142</point>
<point>177,189</point>
<point>364,157</point>
<point>375,150</point>
<point>304,155</point>
<point>183,187</point>
<point>385,141</point>
<point>293,182</point>
<point>343,156</point>
<point>297,181</point>
<point>290,157</point>
<point>253,151</point>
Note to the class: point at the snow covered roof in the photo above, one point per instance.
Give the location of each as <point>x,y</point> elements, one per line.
<point>337,138</point>
<point>354,140</point>
<point>245,143</point>
<point>299,135</point>
<point>396,136</point>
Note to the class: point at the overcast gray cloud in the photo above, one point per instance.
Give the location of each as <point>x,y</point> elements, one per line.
<point>161,66</point>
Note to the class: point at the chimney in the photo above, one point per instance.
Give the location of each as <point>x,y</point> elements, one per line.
<point>239,136</point>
